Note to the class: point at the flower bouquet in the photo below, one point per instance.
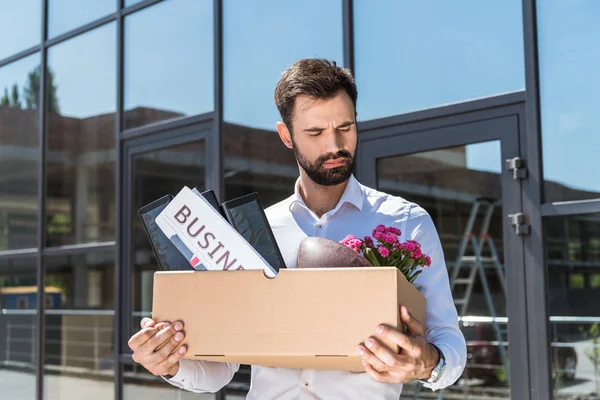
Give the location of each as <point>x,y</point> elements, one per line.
<point>385,249</point>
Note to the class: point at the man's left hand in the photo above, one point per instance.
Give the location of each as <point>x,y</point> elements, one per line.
<point>416,358</point>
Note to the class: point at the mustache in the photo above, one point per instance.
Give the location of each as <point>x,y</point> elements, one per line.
<point>331,156</point>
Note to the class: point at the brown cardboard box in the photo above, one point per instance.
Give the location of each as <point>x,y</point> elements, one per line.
<point>303,318</point>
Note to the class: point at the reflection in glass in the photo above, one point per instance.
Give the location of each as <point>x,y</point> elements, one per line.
<point>572,245</point>
<point>19,153</point>
<point>66,15</point>
<point>80,141</point>
<point>412,55</point>
<point>79,317</point>
<point>255,159</point>
<point>447,183</point>
<point>18,333</point>
<point>20,23</point>
<point>140,384</point>
<point>155,174</point>
<point>168,65</point>
<point>569,36</point>
<point>131,2</point>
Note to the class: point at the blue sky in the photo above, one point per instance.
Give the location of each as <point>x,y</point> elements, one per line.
<point>432,53</point>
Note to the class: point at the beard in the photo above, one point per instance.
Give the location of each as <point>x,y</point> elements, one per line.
<point>326,176</point>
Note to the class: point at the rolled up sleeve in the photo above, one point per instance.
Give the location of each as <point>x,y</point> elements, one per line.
<point>202,376</point>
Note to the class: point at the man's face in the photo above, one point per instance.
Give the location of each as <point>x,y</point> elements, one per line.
<point>324,138</point>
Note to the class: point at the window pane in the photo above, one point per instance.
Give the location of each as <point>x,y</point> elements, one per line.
<point>80,143</point>
<point>79,318</point>
<point>21,21</point>
<point>412,55</point>
<point>19,153</point>
<point>168,65</point>
<point>66,15</point>
<point>18,333</point>
<point>131,2</point>
<point>447,184</point>
<point>572,245</point>
<point>568,33</point>
<point>155,174</point>
<point>261,39</point>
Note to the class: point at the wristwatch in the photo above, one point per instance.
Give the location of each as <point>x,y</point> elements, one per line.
<point>439,368</point>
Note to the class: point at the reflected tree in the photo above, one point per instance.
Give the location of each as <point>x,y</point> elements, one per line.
<point>31,93</point>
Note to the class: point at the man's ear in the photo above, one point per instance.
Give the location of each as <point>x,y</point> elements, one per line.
<point>284,134</point>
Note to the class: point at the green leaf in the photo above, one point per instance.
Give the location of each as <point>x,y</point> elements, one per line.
<point>412,278</point>
<point>370,256</point>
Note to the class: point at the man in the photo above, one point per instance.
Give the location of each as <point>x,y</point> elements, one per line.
<point>317,102</point>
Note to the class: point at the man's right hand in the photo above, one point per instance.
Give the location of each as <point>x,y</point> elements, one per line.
<point>153,346</point>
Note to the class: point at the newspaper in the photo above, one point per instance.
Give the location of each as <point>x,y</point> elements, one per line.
<point>205,237</point>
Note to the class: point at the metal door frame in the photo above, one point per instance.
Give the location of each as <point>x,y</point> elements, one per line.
<point>499,118</point>
<point>131,147</point>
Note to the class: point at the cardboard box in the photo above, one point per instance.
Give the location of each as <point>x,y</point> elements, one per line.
<point>303,318</point>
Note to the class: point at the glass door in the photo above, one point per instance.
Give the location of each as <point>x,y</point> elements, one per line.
<point>459,173</point>
<point>154,166</point>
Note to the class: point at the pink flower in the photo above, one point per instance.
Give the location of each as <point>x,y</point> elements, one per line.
<point>394,231</point>
<point>417,253</point>
<point>383,251</point>
<point>378,235</point>
<point>428,261</point>
<point>355,243</point>
<point>347,240</point>
<point>415,243</point>
<point>368,241</point>
<point>409,246</point>
<point>379,228</point>
<point>390,238</point>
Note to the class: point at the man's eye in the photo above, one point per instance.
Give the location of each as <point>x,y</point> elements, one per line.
<point>344,129</point>
<point>315,134</point>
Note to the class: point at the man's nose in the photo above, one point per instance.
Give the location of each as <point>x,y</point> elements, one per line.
<point>333,143</point>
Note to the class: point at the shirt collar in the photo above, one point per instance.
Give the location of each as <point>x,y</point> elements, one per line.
<point>353,194</point>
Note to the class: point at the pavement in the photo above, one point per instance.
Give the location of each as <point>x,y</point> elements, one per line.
<point>16,385</point>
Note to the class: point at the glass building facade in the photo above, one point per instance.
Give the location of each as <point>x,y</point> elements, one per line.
<point>107,105</point>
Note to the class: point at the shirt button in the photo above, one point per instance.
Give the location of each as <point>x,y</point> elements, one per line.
<point>306,384</point>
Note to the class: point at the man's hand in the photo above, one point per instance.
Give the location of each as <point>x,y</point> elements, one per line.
<point>417,357</point>
<point>153,346</point>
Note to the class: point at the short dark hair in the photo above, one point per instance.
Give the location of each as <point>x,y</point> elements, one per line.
<point>313,77</point>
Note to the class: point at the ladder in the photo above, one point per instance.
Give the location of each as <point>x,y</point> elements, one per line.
<point>476,264</point>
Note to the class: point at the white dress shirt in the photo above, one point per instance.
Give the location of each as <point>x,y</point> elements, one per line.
<point>359,211</point>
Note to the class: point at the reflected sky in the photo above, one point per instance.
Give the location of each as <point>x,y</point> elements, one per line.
<point>485,156</point>
<point>569,43</point>
<point>427,62</point>
<point>261,39</point>
<point>20,25</point>
<point>412,55</point>
<point>66,15</point>
<point>85,73</point>
<point>169,60</point>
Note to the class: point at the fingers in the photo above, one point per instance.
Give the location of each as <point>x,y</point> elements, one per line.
<point>146,322</point>
<point>157,341</point>
<point>141,337</point>
<point>400,339</point>
<point>415,327</point>
<point>158,347</point>
<point>381,377</point>
<point>171,360</point>
<point>378,355</point>
<point>165,351</point>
